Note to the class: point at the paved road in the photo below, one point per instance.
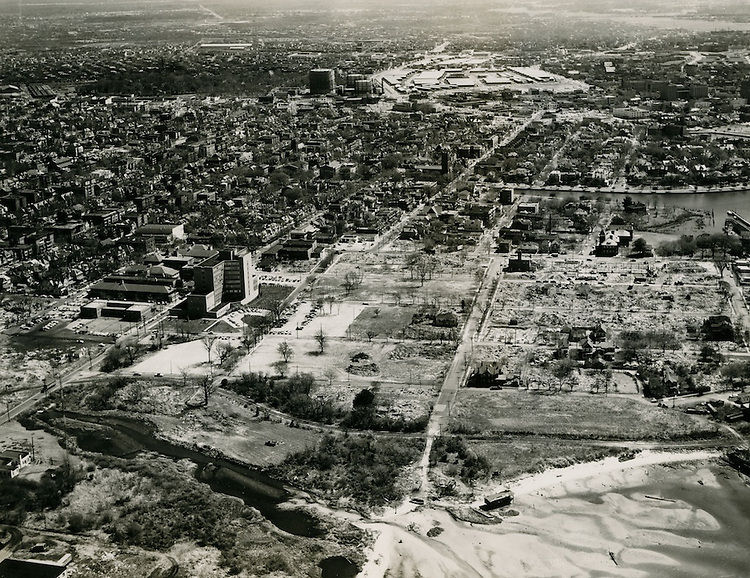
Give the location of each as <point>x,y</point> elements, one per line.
<point>31,401</point>
<point>455,374</point>
<point>15,538</point>
<point>75,374</point>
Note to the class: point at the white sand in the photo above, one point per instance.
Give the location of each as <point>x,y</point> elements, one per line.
<point>611,465</point>
<point>558,532</point>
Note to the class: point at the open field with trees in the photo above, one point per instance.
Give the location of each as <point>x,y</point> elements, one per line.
<point>299,397</point>
<point>230,422</point>
<point>393,278</point>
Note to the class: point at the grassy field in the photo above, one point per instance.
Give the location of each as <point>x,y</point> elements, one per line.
<point>186,327</point>
<point>270,295</point>
<point>382,321</point>
<point>574,415</point>
<point>511,457</point>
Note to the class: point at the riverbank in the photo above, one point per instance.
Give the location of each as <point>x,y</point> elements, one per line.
<point>544,189</point>
<point>659,514</point>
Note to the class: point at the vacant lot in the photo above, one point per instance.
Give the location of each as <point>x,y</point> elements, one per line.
<point>232,426</point>
<point>230,423</point>
<point>189,357</point>
<point>574,415</point>
<point>408,377</point>
<point>577,291</point>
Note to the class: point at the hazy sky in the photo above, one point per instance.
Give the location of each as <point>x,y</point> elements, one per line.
<point>696,7</point>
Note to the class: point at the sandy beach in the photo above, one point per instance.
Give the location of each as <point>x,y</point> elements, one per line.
<point>665,514</point>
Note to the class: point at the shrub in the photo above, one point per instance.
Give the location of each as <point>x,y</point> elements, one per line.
<point>360,467</point>
<point>470,466</point>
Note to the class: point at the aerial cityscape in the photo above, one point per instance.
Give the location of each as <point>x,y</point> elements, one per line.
<point>401,289</point>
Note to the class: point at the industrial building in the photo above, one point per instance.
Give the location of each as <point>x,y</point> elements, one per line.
<point>138,283</point>
<point>123,310</point>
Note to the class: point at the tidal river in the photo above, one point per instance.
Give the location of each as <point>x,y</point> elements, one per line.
<point>123,437</point>
<point>719,203</point>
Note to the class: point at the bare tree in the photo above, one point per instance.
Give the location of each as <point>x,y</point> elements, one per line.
<point>603,378</point>
<point>431,264</point>
<point>286,351</point>
<point>607,380</point>
<point>564,370</point>
<point>352,280</point>
<point>721,265</point>
<point>321,338</point>
<point>411,262</point>
<point>224,349</point>
<point>422,269</point>
<point>277,308</point>
<point>207,385</point>
<point>130,346</point>
<point>249,338</point>
<point>370,334</point>
<point>185,374</point>
<point>208,344</point>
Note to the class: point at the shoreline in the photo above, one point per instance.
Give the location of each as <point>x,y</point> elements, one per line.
<point>559,531</point>
<point>609,465</point>
<point>532,189</point>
